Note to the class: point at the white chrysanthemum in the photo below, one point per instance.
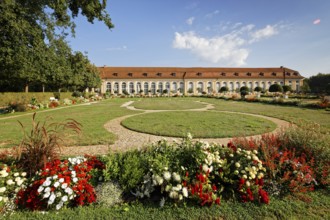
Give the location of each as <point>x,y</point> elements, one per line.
<point>253,176</point>
<point>254,157</point>
<point>2,189</point>
<point>180,197</point>
<point>244,176</point>
<point>5,199</point>
<point>236,172</point>
<point>167,175</point>
<point>255,151</point>
<point>185,192</point>
<point>174,195</point>
<point>247,183</point>
<point>248,157</point>
<point>16,174</point>
<point>58,194</point>
<point>168,188</point>
<point>20,182</point>
<point>237,164</point>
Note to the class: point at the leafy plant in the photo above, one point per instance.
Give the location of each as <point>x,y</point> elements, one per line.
<point>109,194</point>
<point>43,143</point>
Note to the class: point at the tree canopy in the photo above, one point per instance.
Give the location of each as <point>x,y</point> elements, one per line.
<point>320,83</point>
<point>33,49</point>
<point>276,88</point>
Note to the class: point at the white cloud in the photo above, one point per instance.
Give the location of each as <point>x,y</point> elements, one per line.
<point>223,49</point>
<point>317,21</point>
<point>228,49</point>
<point>116,48</point>
<point>190,20</point>
<point>266,32</point>
<point>210,15</point>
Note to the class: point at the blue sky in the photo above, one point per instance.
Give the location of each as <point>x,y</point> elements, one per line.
<point>211,33</point>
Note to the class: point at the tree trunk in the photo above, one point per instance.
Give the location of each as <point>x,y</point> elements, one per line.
<point>27,88</point>
<point>43,88</point>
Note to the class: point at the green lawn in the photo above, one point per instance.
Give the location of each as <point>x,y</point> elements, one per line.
<point>167,104</point>
<point>199,124</point>
<point>91,116</point>
<point>279,208</point>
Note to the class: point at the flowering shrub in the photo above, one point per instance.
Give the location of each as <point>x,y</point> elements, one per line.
<point>11,181</point>
<point>60,184</point>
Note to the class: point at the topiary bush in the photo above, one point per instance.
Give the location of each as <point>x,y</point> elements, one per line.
<point>276,88</point>
<point>287,88</point>
<point>258,89</point>
<point>224,89</point>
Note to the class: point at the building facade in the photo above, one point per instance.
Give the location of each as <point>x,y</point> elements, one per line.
<point>133,80</point>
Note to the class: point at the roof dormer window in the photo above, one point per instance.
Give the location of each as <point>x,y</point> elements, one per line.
<point>199,74</point>
<point>223,74</point>
<point>236,74</point>
<point>261,74</point>
<point>115,74</point>
<point>295,73</point>
<point>173,74</point>
<point>159,74</point>
<point>273,74</point>
<point>145,74</point>
<point>249,74</point>
<point>130,74</point>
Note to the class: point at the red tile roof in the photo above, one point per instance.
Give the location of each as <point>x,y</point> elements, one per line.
<point>196,72</point>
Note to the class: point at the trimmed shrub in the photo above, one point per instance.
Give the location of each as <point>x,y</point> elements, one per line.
<point>276,88</point>
<point>258,89</point>
<point>287,88</point>
<point>224,89</point>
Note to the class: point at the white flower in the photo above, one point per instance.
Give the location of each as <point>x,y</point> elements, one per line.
<point>237,164</point>
<point>16,174</point>
<point>73,173</point>
<point>173,195</point>
<point>47,183</point>
<point>10,182</point>
<point>20,182</point>
<point>253,176</point>
<point>58,194</point>
<point>254,157</point>
<point>236,172</point>
<point>51,199</point>
<point>71,197</point>
<point>55,177</point>
<point>180,197</point>
<point>255,151</point>
<point>205,168</point>
<point>244,177</point>
<point>5,199</point>
<point>0,198</point>
<point>185,192</point>
<point>231,155</point>
<point>168,188</point>
<point>2,189</point>
<point>189,136</point>
<point>260,175</point>
<point>64,185</point>
<point>56,184</point>
<point>65,198</point>
<point>176,177</point>
<point>61,180</point>
<point>4,173</point>
<point>17,179</point>
<point>158,180</point>
<point>248,157</point>
<point>23,174</point>
<point>68,190</point>
<point>247,183</point>
<point>59,205</point>
<point>47,194</point>
<point>40,189</point>
<point>167,175</point>
<point>75,179</point>
<point>47,189</point>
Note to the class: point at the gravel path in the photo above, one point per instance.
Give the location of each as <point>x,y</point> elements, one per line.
<point>128,139</point>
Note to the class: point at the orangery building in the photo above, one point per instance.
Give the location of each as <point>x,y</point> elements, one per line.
<point>194,80</point>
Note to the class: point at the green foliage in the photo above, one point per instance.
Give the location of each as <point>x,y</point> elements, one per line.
<point>57,95</point>
<point>76,94</point>
<point>258,89</point>
<point>42,143</point>
<point>126,168</point>
<point>224,89</point>
<point>287,88</point>
<point>320,83</point>
<point>276,88</point>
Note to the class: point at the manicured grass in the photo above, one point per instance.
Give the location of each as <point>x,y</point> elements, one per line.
<point>167,104</point>
<point>279,208</point>
<point>199,124</point>
<point>291,114</point>
<point>91,116</point>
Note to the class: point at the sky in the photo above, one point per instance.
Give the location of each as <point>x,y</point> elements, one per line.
<point>210,33</point>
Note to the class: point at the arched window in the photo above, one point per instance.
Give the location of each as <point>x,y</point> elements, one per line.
<point>269,84</point>
<point>131,88</point>
<point>168,87</point>
<point>108,87</point>
<point>153,88</point>
<point>181,87</point>
<point>160,87</point>
<point>123,87</point>
<point>200,87</point>
<point>116,87</point>
<point>209,87</point>
<point>175,86</point>
<point>250,85</point>
<point>231,86</point>
<point>145,88</point>
<point>263,85</point>
<point>138,87</point>
<point>217,86</point>
<point>238,85</point>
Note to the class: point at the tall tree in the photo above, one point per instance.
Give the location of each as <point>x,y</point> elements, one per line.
<point>320,83</point>
<point>27,30</point>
